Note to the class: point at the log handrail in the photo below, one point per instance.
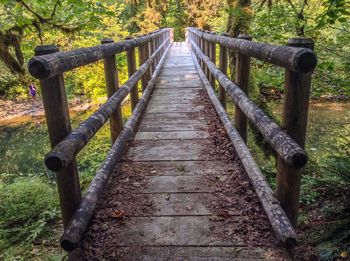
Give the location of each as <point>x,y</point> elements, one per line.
<point>49,66</point>
<point>64,152</point>
<point>296,59</point>
<point>279,221</point>
<point>288,141</point>
<point>281,142</point>
<point>46,66</point>
<point>75,230</point>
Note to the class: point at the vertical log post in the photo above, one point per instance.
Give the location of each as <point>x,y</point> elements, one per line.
<point>58,123</point>
<point>131,61</point>
<point>223,61</point>
<point>212,56</point>
<point>112,85</point>
<point>157,46</point>
<point>242,80</point>
<point>206,52</point>
<point>152,48</point>
<point>198,43</point>
<point>142,58</point>
<point>171,35</point>
<point>294,122</point>
<point>201,42</point>
<point>147,55</point>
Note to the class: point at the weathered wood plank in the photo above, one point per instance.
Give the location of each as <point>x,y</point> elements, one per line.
<point>173,100</point>
<point>202,253</point>
<point>168,150</point>
<point>169,231</point>
<point>181,204</point>
<point>182,135</point>
<point>170,116</point>
<point>175,184</point>
<point>184,168</point>
<point>173,107</point>
<point>171,126</point>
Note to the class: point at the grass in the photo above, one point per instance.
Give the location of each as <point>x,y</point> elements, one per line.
<point>29,209</point>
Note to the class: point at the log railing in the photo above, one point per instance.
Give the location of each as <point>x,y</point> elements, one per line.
<point>288,141</point>
<point>49,66</point>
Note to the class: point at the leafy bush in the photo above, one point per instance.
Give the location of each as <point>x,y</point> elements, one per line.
<point>27,206</point>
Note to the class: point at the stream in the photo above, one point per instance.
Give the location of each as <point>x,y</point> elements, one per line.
<point>24,141</point>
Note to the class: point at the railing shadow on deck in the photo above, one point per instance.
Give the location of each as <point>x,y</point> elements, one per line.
<point>288,141</point>
<point>49,66</point>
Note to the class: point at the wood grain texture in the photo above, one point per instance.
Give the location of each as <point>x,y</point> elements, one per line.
<point>281,142</point>
<point>55,103</point>
<point>63,153</point>
<point>76,228</point>
<point>46,66</point>
<point>278,219</point>
<point>295,59</point>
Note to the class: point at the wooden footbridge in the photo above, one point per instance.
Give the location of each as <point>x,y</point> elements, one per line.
<point>179,182</point>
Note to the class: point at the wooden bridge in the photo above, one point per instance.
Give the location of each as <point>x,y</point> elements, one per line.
<point>179,182</point>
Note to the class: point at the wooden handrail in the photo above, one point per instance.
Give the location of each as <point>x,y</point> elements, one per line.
<point>49,66</point>
<point>76,228</point>
<point>295,59</point>
<point>288,141</point>
<point>46,66</point>
<point>63,153</point>
<point>281,142</point>
<point>279,221</point>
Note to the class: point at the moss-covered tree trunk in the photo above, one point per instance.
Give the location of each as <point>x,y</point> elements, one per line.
<point>238,22</point>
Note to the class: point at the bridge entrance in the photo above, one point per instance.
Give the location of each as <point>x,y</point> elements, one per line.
<point>179,181</point>
<point>180,192</point>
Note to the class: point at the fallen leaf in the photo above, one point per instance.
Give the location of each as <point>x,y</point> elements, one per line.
<point>117,214</point>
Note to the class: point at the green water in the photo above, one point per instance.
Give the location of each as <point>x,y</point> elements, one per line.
<point>23,147</point>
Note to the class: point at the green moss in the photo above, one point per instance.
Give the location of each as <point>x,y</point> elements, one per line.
<point>27,206</point>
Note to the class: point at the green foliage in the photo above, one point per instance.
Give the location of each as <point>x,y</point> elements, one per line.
<point>336,11</point>
<point>27,206</point>
<point>20,144</point>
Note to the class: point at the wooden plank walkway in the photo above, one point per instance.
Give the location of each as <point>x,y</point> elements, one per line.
<point>180,192</point>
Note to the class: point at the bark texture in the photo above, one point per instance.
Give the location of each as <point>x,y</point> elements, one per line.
<point>292,58</point>
<point>75,230</point>
<point>46,66</point>
<point>63,153</point>
<point>277,217</point>
<point>282,143</point>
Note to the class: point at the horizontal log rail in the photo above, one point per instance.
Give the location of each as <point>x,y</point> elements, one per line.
<point>49,66</point>
<point>288,141</point>
<point>77,226</point>
<point>296,59</point>
<point>276,215</point>
<point>281,142</point>
<point>63,153</point>
<point>46,66</point>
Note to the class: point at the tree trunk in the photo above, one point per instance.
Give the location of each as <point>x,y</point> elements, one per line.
<point>238,22</point>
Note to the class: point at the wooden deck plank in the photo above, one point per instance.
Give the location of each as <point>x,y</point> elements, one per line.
<point>176,184</point>
<point>178,220</point>
<point>185,168</point>
<point>200,253</point>
<point>158,150</point>
<point>171,135</point>
<point>170,231</point>
<point>181,204</point>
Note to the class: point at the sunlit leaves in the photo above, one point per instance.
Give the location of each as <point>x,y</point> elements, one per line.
<point>336,11</point>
